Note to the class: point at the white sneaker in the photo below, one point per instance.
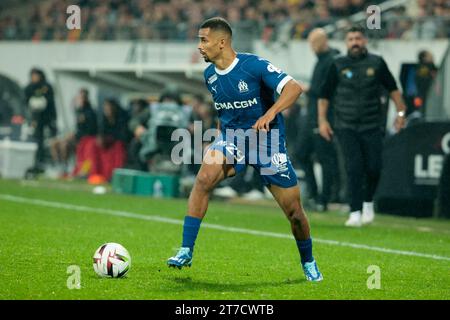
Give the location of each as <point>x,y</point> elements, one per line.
<point>253,195</point>
<point>225,192</point>
<point>368,214</point>
<point>354,220</point>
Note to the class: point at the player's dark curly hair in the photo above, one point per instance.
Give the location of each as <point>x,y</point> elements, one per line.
<point>217,23</point>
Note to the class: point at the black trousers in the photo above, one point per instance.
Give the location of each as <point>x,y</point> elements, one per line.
<point>326,155</point>
<point>40,123</point>
<point>362,156</point>
<point>311,144</point>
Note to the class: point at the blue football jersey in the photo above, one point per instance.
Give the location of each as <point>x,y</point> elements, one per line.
<point>244,91</point>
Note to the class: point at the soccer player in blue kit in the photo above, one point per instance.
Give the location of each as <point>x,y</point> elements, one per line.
<point>243,87</point>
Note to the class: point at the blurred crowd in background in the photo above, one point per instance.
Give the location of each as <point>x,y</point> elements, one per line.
<point>268,20</point>
<point>108,134</point>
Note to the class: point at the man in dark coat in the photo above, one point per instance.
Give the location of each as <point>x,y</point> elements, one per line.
<point>41,105</point>
<point>354,83</point>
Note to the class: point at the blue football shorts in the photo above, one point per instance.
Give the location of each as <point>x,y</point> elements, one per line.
<point>266,152</point>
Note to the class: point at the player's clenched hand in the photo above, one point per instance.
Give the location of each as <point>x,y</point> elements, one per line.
<point>325,130</point>
<point>264,122</point>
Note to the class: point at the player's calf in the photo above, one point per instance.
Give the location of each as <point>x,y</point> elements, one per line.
<point>298,220</point>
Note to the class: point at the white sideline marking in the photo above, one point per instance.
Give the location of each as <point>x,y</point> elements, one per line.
<point>118,213</point>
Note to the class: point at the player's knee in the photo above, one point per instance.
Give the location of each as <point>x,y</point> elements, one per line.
<point>295,214</point>
<point>205,181</point>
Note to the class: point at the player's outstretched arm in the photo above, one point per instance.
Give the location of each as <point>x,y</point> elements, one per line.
<point>290,93</point>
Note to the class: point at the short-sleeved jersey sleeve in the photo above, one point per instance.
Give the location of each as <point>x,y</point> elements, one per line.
<point>272,76</point>
<point>386,77</point>
<point>329,83</point>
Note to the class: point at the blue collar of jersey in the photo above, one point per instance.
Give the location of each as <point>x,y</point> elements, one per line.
<point>230,67</point>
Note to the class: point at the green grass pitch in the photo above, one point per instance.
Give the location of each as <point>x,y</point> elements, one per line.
<point>49,226</point>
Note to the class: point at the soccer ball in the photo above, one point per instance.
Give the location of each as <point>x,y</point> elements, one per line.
<point>111,260</point>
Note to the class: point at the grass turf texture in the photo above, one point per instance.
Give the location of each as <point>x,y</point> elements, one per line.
<point>38,243</point>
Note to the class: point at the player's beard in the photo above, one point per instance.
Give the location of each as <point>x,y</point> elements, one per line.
<point>205,57</point>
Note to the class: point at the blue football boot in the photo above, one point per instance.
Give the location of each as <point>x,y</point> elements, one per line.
<point>311,271</point>
<point>182,259</point>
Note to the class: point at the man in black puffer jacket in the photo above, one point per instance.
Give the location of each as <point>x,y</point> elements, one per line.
<point>354,83</point>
